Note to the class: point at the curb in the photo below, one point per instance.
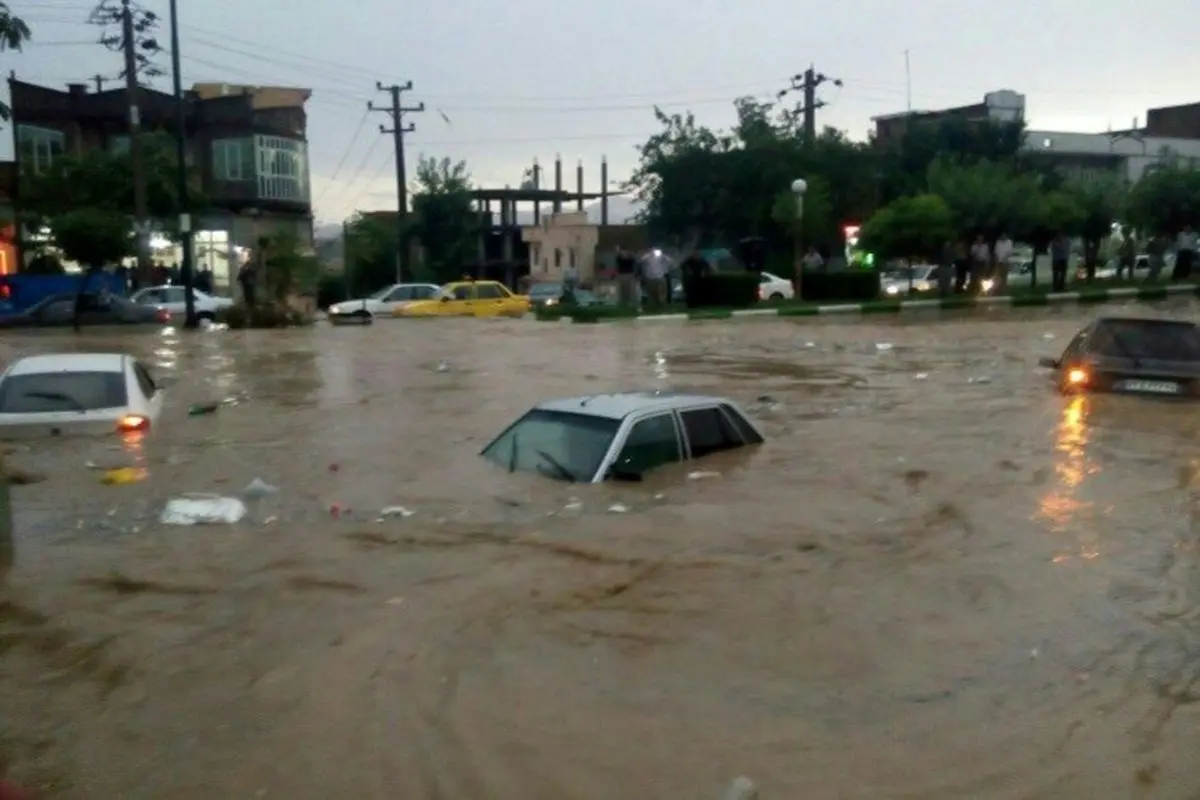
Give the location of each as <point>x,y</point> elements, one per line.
<point>1085,296</point>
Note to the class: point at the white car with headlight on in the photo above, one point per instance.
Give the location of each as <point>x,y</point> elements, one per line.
<point>384,302</point>
<point>924,278</point>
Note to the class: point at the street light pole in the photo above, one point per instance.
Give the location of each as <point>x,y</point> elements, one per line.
<point>799,188</point>
<point>187,271</point>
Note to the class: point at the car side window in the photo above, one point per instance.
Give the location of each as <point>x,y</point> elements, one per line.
<point>150,298</point>
<point>651,443</point>
<point>489,291</point>
<point>742,425</point>
<point>176,295</point>
<point>149,389</point>
<point>423,292</point>
<point>464,293</point>
<point>398,294</point>
<point>708,431</point>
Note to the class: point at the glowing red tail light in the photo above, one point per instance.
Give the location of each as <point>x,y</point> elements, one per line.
<point>132,423</point>
<point>162,315</point>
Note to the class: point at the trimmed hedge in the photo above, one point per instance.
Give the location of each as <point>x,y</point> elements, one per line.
<point>721,290</point>
<point>852,285</point>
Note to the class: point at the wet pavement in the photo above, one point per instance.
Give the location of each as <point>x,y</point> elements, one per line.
<point>938,579</point>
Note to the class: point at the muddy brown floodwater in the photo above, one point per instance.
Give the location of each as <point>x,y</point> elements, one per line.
<point>938,579</point>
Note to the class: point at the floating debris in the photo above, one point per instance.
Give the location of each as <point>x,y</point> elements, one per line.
<point>123,475</point>
<point>203,509</point>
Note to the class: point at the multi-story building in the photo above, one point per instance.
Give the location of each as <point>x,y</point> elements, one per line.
<point>1003,105</point>
<point>1171,136</point>
<point>248,144</point>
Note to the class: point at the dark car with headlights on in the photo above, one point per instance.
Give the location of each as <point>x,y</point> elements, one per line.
<point>1131,355</point>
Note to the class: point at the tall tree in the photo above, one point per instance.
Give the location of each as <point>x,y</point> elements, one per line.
<point>905,164</point>
<point>1166,200</point>
<point>444,219</point>
<point>986,198</point>
<point>1102,201</point>
<point>14,33</point>
<point>915,228</point>
<point>370,249</point>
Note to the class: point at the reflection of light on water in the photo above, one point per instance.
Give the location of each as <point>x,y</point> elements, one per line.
<point>166,355</point>
<point>660,366</point>
<point>1060,506</point>
<point>132,442</point>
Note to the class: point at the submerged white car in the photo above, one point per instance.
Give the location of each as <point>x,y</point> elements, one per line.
<point>385,301</point>
<point>173,300</point>
<point>77,394</point>
<point>620,436</point>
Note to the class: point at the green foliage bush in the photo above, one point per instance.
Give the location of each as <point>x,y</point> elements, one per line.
<point>266,315</point>
<point>853,285</point>
<point>722,290</point>
<point>331,288</point>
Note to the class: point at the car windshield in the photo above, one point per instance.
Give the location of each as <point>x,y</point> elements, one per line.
<point>545,290</point>
<point>382,293</point>
<point>1160,340</point>
<point>557,444</point>
<point>38,393</point>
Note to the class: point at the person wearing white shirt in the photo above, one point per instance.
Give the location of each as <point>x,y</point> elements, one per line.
<point>654,275</point>
<point>1002,253</point>
<point>981,259</point>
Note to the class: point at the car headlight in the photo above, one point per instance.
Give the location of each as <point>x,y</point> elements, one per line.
<point>551,301</point>
<point>892,290</point>
<point>335,309</point>
<point>987,284</point>
<point>922,286</point>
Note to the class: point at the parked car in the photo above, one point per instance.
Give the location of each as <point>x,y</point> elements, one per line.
<point>77,393</point>
<point>385,301</point>
<point>773,287</point>
<point>468,299</point>
<point>172,298</point>
<point>1131,355</point>
<point>896,281</point>
<point>619,436</point>
<point>96,309</point>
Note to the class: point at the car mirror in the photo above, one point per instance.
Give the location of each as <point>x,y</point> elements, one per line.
<point>1048,363</point>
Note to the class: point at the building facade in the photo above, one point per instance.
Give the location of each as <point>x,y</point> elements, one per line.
<point>561,241</point>
<point>1125,154</point>
<point>1003,105</point>
<point>248,144</point>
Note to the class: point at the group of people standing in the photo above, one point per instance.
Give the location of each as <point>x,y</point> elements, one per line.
<point>977,262</point>
<point>644,279</point>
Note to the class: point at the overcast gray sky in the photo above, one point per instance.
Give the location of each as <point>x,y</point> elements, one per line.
<point>519,79</point>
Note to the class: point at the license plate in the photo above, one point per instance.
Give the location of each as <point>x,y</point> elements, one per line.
<point>1149,387</point>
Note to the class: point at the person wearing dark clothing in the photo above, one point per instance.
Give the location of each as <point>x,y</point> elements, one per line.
<point>246,278</point>
<point>1126,254</point>
<point>1060,256</point>
<point>627,279</point>
<point>1185,254</point>
<point>962,266</point>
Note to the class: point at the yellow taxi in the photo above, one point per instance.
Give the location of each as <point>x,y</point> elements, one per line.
<point>468,299</point>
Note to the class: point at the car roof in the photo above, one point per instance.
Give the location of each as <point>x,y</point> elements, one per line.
<point>68,362</point>
<point>456,284</point>
<point>621,404</point>
<point>1143,318</point>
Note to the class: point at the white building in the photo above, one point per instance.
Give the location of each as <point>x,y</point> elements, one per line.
<point>1128,154</point>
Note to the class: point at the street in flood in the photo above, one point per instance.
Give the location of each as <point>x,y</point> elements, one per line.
<point>938,578</point>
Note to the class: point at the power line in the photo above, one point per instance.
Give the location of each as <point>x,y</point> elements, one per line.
<point>362,124</point>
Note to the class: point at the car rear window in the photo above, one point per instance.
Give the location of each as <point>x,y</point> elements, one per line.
<point>1160,340</point>
<point>62,391</point>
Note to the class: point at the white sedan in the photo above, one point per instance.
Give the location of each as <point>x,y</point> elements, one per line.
<point>386,300</point>
<point>77,393</point>
<point>773,287</point>
<point>172,299</point>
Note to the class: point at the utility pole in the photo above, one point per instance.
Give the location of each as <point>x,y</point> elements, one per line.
<point>398,129</point>
<point>187,271</point>
<point>100,81</point>
<point>808,83</point>
<point>138,46</point>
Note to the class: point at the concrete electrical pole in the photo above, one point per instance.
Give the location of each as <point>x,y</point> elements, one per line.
<point>398,129</point>
<point>808,82</point>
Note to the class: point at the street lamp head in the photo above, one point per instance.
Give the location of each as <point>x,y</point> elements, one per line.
<point>799,186</point>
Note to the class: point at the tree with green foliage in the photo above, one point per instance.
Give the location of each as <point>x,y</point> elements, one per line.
<point>986,198</point>
<point>913,228</point>
<point>92,237</point>
<point>1102,201</point>
<point>1165,201</point>
<point>287,268</point>
<point>443,218</point>
<point>370,254</point>
<point>1049,213</point>
<point>905,164</point>
<point>14,33</point>
<point>706,187</point>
